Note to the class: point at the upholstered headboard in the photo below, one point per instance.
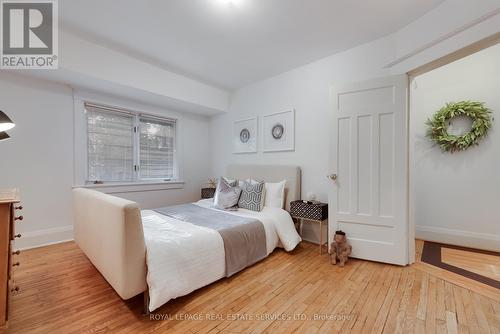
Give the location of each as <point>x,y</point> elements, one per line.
<point>270,173</point>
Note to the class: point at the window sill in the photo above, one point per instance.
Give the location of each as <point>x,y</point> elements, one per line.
<point>132,187</point>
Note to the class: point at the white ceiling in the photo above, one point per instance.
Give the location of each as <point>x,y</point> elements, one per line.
<point>233,45</point>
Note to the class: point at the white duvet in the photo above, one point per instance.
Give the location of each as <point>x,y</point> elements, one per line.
<point>183,257</point>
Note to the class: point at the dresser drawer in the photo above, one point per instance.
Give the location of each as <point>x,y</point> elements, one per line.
<point>16,217</point>
<point>9,215</point>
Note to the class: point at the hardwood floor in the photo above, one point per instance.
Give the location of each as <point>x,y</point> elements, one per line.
<point>61,292</point>
<point>482,264</point>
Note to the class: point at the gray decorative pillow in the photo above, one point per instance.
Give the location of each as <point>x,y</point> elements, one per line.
<point>252,196</point>
<point>226,196</point>
<point>232,183</point>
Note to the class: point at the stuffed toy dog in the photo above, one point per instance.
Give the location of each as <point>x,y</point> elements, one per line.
<point>340,249</point>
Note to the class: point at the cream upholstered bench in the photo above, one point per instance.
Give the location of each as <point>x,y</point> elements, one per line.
<point>109,231</point>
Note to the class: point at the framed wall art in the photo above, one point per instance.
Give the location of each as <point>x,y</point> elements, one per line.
<point>245,136</point>
<point>279,131</point>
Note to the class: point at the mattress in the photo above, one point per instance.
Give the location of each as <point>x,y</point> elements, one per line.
<point>182,257</point>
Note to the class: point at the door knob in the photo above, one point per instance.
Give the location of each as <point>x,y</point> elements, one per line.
<point>332,177</point>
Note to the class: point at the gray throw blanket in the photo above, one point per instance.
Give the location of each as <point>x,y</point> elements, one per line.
<point>244,238</point>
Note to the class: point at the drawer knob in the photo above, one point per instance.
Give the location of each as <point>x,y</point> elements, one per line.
<point>20,207</point>
<point>15,289</point>
<point>19,218</point>
<point>17,235</point>
<point>17,252</point>
<point>16,264</point>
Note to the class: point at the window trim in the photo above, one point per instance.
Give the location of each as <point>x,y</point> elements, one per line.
<point>131,187</point>
<point>81,150</point>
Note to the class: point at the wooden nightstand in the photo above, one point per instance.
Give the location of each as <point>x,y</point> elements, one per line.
<point>312,211</point>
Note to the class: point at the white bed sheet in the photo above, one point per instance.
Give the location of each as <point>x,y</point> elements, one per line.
<point>182,257</point>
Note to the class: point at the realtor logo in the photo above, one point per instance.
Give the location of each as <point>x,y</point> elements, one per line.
<point>29,36</point>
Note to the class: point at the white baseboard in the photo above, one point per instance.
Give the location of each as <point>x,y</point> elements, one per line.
<point>44,237</point>
<point>437,234</point>
<point>313,241</point>
<point>459,238</point>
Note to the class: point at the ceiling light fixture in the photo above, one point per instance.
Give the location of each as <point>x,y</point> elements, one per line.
<point>5,122</point>
<point>229,2</point>
<point>4,136</point>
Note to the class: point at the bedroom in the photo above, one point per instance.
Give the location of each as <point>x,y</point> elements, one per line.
<point>242,65</point>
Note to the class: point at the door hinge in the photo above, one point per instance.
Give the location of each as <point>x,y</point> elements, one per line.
<point>136,168</point>
<point>136,129</point>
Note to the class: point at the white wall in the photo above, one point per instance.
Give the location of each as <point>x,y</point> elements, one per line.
<point>307,90</point>
<point>40,161</point>
<point>457,196</point>
<point>39,157</point>
<point>86,64</point>
<point>84,57</point>
<point>451,26</point>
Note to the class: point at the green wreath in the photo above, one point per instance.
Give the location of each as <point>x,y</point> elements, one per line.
<point>438,128</point>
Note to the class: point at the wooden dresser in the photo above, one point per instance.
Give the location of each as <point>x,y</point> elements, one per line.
<point>9,205</point>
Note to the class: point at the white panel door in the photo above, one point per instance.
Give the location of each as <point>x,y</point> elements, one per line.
<point>369,171</point>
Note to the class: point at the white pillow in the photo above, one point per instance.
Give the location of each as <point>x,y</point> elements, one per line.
<point>275,194</point>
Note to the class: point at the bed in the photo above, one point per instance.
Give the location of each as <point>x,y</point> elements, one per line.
<point>114,234</point>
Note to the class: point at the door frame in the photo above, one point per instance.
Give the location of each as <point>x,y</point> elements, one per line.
<point>412,75</point>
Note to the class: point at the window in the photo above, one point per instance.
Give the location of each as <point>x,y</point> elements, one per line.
<point>156,148</point>
<point>123,146</point>
<point>110,146</point>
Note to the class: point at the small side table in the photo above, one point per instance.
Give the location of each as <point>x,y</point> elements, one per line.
<point>312,211</point>
<point>207,192</point>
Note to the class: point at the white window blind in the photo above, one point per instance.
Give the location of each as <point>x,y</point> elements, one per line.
<point>110,145</point>
<point>157,140</point>
<point>124,146</point>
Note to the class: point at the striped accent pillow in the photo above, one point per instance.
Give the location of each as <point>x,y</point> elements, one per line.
<point>252,196</point>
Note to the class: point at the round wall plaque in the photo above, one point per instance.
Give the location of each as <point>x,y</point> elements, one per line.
<point>244,135</point>
<point>277,131</point>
